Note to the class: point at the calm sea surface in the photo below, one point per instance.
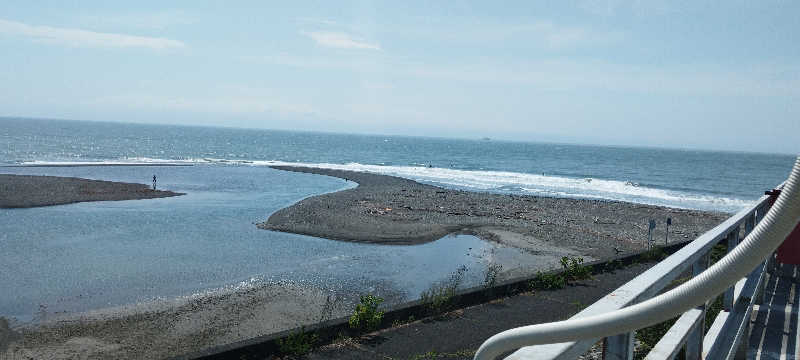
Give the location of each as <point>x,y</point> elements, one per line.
<point>94,255</point>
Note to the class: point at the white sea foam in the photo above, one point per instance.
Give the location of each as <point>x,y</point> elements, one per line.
<point>498,181</point>
<point>119,162</point>
<point>547,185</point>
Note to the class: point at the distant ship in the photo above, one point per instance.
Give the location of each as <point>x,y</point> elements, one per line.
<point>486,139</point>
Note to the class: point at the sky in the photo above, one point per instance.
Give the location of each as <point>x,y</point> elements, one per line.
<point>721,75</point>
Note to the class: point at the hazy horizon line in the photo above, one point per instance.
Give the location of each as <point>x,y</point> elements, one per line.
<point>476,138</point>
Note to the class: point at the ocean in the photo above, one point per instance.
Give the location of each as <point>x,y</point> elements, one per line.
<point>87,256</point>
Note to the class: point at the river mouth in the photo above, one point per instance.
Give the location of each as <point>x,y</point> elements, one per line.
<point>70,259</point>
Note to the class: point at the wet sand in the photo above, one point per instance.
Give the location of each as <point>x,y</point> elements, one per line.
<point>25,191</point>
<point>391,210</point>
<point>160,330</point>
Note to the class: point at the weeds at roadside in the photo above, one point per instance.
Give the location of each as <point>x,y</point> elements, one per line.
<point>547,281</point>
<point>572,270</point>
<point>612,266</point>
<point>439,297</point>
<point>297,344</point>
<point>654,254</point>
<point>492,272</point>
<point>430,355</point>
<point>331,303</point>
<point>366,315</point>
<point>399,322</point>
<point>578,305</point>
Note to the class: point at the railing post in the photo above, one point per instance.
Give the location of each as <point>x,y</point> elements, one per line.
<point>749,224</point>
<point>694,343</point>
<point>619,347</point>
<point>761,211</point>
<point>733,240</point>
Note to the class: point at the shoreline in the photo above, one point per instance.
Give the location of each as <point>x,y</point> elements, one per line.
<point>27,191</point>
<point>385,209</point>
<point>389,206</point>
<point>169,328</point>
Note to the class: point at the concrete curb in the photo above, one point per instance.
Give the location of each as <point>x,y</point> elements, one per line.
<point>328,331</point>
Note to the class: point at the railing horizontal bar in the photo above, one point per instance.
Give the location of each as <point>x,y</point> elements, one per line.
<point>644,286</point>
<point>670,345</point>
<point>724,341</point>
<point>567,350</point>
<point>738,289</point>
<point>714,332</point>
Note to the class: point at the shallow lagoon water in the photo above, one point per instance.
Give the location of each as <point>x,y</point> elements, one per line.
<point>86,256</point>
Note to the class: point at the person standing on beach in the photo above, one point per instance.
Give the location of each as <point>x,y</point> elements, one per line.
<point>154,182</point>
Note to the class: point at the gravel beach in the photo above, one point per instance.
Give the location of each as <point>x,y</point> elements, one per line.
<point>25,191</point>
<point>381,209</point>
<point>391,210</point>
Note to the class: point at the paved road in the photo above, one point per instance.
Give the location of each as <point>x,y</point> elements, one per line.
<point>458,335</point>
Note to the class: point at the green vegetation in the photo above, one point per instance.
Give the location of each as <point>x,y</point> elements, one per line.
<point>547,281</point>
<point>572,270</point>
<point>440,297</point>
<point>430,355</point>
<point>399,322</point>
<point>366,316</point>
<point>656,253</point>
<point>492,272</point>
<point>648,337</point>
<point>612,266</point>
<point>297,344</point>
<point>718,252</point>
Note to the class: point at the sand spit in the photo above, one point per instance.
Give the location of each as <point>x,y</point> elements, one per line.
<point>24,191</point>
<point>391,210</point>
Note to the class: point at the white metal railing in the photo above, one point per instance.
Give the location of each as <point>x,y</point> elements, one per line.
<point>725,334</point>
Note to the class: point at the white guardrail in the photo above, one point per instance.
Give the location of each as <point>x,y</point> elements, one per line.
<point>614,317</point>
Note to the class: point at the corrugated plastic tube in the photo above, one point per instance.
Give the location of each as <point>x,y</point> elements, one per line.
<point>765,238</point>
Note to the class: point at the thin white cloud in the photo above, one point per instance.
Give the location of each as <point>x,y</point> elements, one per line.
<point>148,21</point>
<point>316,21</point>
<point>340,40</point>
<point>563,75</point>
<point>80,37</point>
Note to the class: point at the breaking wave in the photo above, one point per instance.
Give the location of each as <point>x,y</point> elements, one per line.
<point>480,180</point>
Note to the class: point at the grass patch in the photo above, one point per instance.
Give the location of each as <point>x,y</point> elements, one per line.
<point>297,344</point>
<point>656,253</point>
<point>366,316</point>
<point>612,266</point>
<point>440,297</point>
<point>547,281</point>
<point>572,270</point>
<point>490,277</point>
<point>444,355</point>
